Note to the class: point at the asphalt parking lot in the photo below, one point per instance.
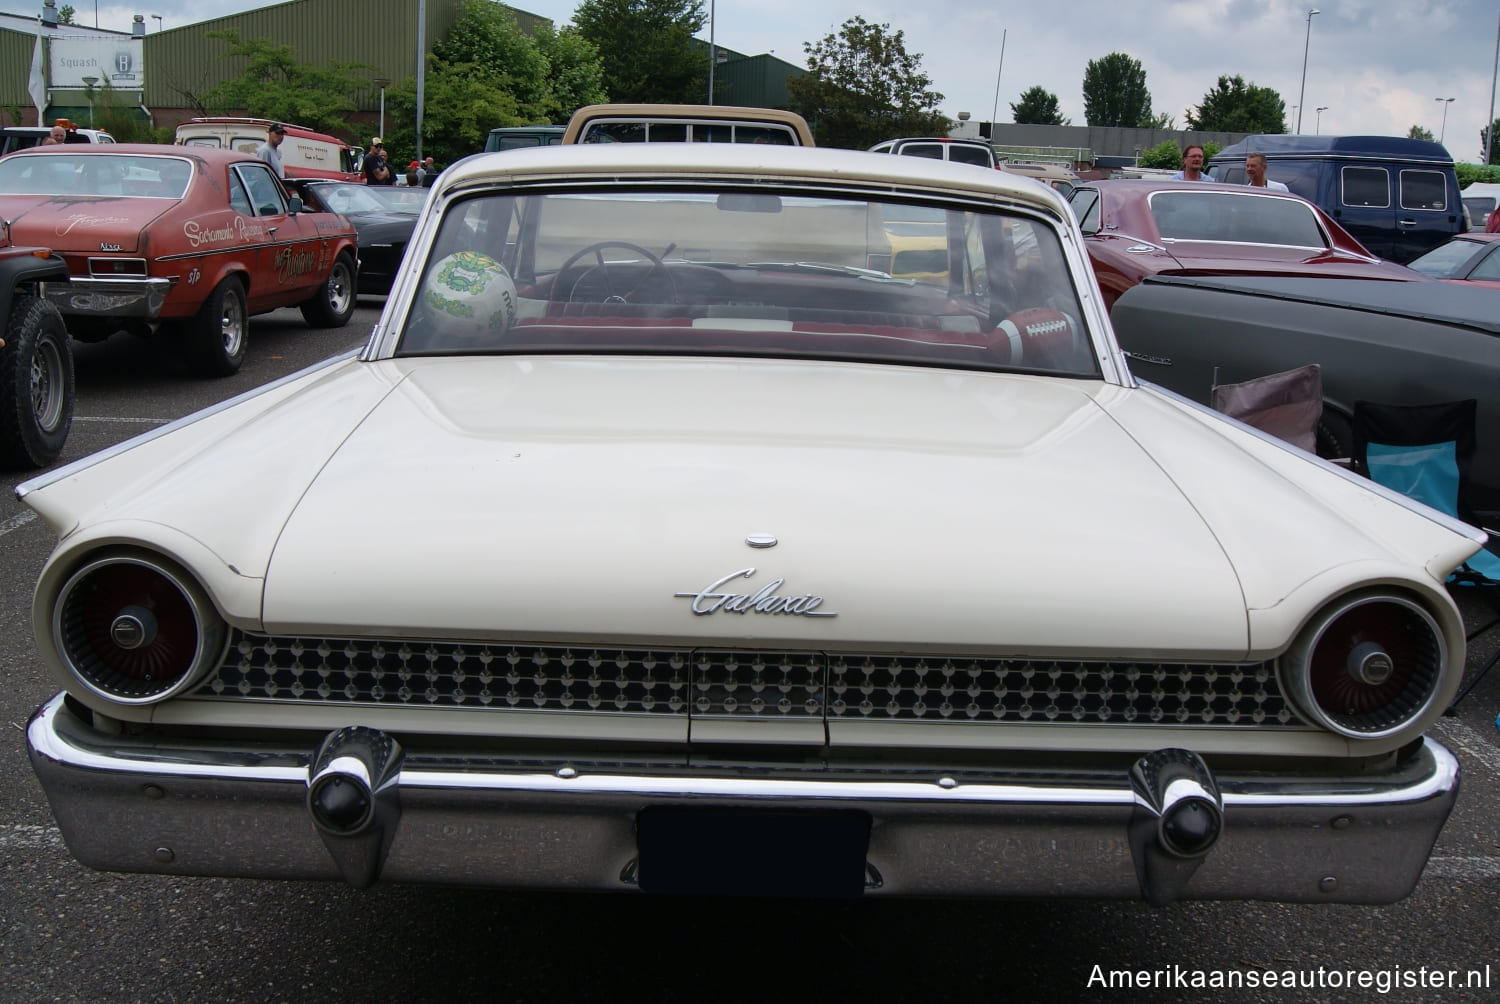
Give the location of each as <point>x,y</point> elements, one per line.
<point>71,934</point>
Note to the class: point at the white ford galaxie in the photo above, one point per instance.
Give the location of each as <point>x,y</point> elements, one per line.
<point>666,537</point>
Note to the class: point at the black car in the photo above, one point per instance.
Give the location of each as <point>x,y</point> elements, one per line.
<point>1398,343</point>
<point>384,226</point>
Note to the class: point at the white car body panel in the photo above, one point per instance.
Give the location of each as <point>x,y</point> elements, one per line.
<point>797,538</point>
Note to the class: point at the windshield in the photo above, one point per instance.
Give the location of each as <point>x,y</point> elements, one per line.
<point>748,273</point>
<point>1446,260</point>
<point>347,198</point>
<point>112,175</point>
<point>400,198</point>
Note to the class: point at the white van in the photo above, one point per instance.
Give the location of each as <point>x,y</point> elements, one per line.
<point>1480,199</point>
<point>304,153</point>
<point>14,138</point>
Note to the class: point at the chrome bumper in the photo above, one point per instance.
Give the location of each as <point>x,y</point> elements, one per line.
<point>360,808</point>
<point>127,298</point>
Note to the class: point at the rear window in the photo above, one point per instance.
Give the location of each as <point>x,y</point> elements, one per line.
<point>684,131</point>
<point>116,176</point>
<point>969,155</point>
<point>688,270</point>
<point>1235,218</point>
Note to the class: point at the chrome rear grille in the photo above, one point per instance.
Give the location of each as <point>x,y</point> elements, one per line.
<point>728,684</point>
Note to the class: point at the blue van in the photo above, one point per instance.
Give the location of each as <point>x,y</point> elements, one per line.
<point>1397,196</point>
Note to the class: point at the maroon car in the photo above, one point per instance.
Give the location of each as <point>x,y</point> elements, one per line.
<point>1133,229</point>
<point>186,241</point>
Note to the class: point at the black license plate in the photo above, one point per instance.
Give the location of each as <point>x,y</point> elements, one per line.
<point>750,852</point>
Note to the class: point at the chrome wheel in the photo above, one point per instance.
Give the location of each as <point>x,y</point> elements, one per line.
<point>232,326</point>
<point>340,288</point>
<point>49,390</point>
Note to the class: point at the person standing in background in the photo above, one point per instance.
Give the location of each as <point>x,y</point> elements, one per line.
<point>1192,165</point>
<point>270,150</point>
<point>1255,173</point>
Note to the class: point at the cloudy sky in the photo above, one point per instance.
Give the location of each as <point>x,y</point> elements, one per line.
<point>1375,66</point>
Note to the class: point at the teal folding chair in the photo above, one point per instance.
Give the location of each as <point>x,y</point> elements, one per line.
<point>1424,452</point>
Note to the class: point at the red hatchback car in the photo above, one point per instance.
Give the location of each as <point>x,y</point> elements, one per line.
<point>1133,229</point>
<point>186,241</point>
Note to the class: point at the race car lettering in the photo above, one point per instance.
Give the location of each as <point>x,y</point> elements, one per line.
<point>293,262</point>
<point>763,601</point>
<point>237,232</point>
<point>82,221</point>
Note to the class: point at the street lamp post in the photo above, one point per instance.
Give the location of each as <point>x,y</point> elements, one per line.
<point>1318,123</point>
<point>88,83</point>
<point>1443,131</point>
<point>158,21</point>
<point>382,83</point>
<point>1302,92</point>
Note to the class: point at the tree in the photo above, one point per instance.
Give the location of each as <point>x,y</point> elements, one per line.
<point>65,14</point>
<point>1165,155</point>
<point>1417,132</point>
<point>486,73</point>
<point>1115,94</point>
<point>1492,155</point>
<point>646,47</point>
<point>577,76</point>
<point>275,85</point>
<point>1236,106</point>
<point>1168,154</point>
<point>862,86</point>
<point>1036,106</point>
<point>549,74</point>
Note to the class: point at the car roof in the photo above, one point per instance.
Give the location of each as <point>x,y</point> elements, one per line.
<point>669,113</point>
<point>938,139</point>
<point>1381,147</point>
<point>209,155</point>
<point>750,164</point>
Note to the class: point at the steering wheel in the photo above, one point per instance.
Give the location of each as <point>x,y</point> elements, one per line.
<point>597,250</point>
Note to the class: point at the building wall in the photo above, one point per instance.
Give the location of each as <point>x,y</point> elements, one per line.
<point>15,69</point>
<point>754,81</point>
<point>182,63</point>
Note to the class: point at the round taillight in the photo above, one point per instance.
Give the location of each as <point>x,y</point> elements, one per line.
<point>135,631</point>
<point>1369,666</point>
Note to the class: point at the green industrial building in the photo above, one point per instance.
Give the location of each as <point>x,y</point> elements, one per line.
<point>180,63</point>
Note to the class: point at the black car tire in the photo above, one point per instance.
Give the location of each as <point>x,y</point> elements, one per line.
<point>36,385</point>
<point>215,339</point>
<point>334,303</point>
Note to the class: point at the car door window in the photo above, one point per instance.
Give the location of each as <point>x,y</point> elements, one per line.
<point>1085,205</point>
<point>239,199</point>
<point>1365,186</point>
<point>1424,190</point>
<point>933,151</point>
<point>970,155</point>
<point>266,194</point>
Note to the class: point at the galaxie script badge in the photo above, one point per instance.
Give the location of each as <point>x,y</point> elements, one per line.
<point>712,598</point>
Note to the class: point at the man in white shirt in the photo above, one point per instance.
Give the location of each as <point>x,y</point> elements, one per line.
<point>1255,171</point>
<point>270,151</point>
